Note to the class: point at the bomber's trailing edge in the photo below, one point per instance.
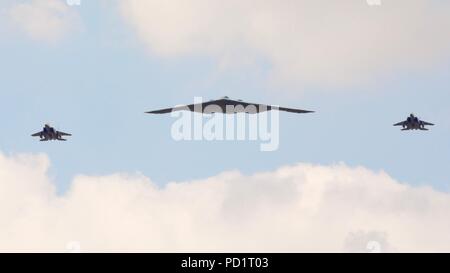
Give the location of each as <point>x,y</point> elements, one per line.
<point>49,133</point>
<point>413,123</point>
<point>227,106</point>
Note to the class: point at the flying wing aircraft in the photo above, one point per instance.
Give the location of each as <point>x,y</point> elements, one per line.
<point>49,133</point>
<point>227,106</point>
<point>413,123</point>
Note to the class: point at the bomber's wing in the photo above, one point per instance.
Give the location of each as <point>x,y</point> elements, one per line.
<point>427,123</point>
<point>291,110</point>
<point>400,123</point>
<point>273,107</point>
<point>173,109</point>
<point>37,134</point>
<point>63,134</point>
<point>198,107</point>
<point>261,107</point>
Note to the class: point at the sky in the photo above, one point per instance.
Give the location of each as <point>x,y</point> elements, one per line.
<point>93,70</point>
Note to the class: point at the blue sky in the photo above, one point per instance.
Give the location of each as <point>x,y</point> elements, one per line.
<point>98,82</point>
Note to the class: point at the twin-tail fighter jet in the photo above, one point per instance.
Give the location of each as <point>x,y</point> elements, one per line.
<point>49,133</point>
<point>227,106</point>
<point>413,123</point>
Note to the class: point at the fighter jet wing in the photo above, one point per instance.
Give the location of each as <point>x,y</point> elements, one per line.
<point>64,134</point>
<point>400,123</point>
<point>37,134</point>
<point>427,123</point>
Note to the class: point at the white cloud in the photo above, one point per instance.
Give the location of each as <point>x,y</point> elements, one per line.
<point>320,42</point>
<point>295,208</point>
<point>48,21</point>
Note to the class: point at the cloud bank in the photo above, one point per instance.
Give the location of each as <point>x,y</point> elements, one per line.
<point>320,43</point>
<point>295,208</point>
<point>48,21</point>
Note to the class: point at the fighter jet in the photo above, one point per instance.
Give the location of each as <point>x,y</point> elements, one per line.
<point>228,106</point>
<point>413,123</point>
<point>49,133</point>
